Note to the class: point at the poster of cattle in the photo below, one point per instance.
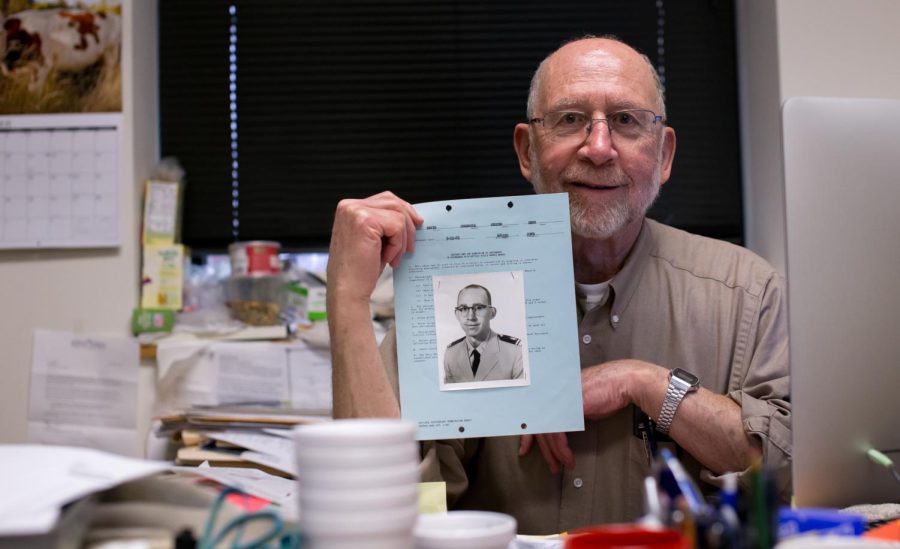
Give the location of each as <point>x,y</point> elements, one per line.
<point>60,57</point>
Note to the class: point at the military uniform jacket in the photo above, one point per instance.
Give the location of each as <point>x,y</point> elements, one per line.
<point>501,358</point>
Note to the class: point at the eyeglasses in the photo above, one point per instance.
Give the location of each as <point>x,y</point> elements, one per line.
<point>465,309</point>
<point>630,125</point>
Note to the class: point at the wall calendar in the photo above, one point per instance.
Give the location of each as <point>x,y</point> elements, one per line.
<point>59,181</point>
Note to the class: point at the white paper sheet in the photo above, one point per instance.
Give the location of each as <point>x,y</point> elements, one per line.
<point>84,391</point>
<point>284,463</point>
<point>310,371</point>
<point>256,483</point>
<point>38,480</point>
<point>267,444</point>
<point>199,372</point>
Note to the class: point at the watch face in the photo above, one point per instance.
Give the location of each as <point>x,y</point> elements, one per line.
<point>687,377</point>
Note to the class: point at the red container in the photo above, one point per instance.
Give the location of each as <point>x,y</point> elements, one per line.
<point>255,258</point>
<point>630,536</point>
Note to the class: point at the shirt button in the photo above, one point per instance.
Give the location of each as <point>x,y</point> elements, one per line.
<point>586,338</point>
<point>615,319</point>
<point>578,483</point>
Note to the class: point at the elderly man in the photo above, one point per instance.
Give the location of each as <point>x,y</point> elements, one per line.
<point>482,354</point>
<point>690,330</point>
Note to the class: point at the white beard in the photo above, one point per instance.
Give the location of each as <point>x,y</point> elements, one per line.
<point>602,220</point>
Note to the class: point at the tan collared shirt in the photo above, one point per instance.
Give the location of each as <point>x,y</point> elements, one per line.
<point>680,300</point>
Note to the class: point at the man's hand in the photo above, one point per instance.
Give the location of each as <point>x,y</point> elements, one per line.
<point>708,425</point>
<point>605,389</point>
<point>554,448</point>
<point>368,234</point>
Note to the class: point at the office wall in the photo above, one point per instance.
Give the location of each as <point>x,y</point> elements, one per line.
<point>790,48</point>
<point>843,48</point>
<point>84,290</point>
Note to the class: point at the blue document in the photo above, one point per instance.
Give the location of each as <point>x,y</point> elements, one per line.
<point>487,340</point>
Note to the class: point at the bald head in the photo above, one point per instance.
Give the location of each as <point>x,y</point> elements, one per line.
<point>590,53</point>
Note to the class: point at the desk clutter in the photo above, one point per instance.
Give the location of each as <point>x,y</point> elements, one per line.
<point>355,483</point>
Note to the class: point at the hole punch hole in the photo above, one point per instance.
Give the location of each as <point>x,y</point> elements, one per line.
<point>509,204</point>
<point>461,429</point>
<point>524,425</point>
<point>449,207</point>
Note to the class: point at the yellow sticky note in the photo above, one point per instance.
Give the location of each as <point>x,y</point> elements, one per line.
<point>432,497</point>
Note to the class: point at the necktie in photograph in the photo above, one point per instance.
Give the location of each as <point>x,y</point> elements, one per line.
<point>476,360</point>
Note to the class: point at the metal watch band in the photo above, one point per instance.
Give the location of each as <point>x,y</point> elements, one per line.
<point>674,394</point>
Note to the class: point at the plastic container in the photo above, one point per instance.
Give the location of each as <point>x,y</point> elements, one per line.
<point>366,495</point>
<point>256,300</point>
<point>403,540</point>
<point>465,530</point>
<point>353,499</point>
<point>633,536</point>
<point>254,258</point>
<point>354,433</point>
<point>362,478</point>
<point>349,458</point>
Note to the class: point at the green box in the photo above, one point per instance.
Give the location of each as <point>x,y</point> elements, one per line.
<point>145,321</point>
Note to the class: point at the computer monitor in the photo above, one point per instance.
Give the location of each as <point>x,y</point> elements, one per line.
<point>842,194</point>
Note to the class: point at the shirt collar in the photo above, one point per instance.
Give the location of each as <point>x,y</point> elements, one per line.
<point>625,282</point>
<point>490,343</point>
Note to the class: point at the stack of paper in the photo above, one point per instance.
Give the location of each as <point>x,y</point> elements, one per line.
<point>271,450</point>
<point>38,480</point>
<point>195,372</point>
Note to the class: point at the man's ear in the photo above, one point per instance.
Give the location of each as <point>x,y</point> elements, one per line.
<point>493,312</point>
<point>522,144</point>
<point>667,154</point>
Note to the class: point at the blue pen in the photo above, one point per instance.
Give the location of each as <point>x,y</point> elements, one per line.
<point>729,493</point>
<point>683,484</point>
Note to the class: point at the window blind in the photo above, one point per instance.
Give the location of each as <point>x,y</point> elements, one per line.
<point>277,109</point>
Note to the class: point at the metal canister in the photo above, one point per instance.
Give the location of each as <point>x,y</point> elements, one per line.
<point>254,258</point>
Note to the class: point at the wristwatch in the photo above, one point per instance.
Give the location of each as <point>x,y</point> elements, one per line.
<point>680,384</point>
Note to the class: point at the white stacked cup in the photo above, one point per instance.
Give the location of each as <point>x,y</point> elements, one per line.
<point>358,483</point>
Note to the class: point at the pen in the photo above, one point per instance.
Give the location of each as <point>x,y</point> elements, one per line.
<point>651,437</point>
<point>653,506</point>
<point>684,486</point>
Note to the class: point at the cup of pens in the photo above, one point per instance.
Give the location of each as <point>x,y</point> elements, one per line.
<point>358,483</point>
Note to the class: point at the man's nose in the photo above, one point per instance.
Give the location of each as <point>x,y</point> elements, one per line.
<point>598,144</point>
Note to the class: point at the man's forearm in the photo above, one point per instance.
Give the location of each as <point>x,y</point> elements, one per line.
<point>360,386</point>
<point>706,424</point>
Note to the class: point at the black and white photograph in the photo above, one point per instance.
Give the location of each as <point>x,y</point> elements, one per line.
<point>481,330</point>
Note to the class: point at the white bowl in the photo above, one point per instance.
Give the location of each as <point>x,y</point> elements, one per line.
<point>394,454</point>
<point>465,530</point>
<point>356,499</point>
<point>354,433</point>
<point>342,524</point>
<point>360,479</point>
<point>387,541</point>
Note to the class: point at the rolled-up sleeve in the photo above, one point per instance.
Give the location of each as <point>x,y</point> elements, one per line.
<point>443,460</point>
<point>763,392</point>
